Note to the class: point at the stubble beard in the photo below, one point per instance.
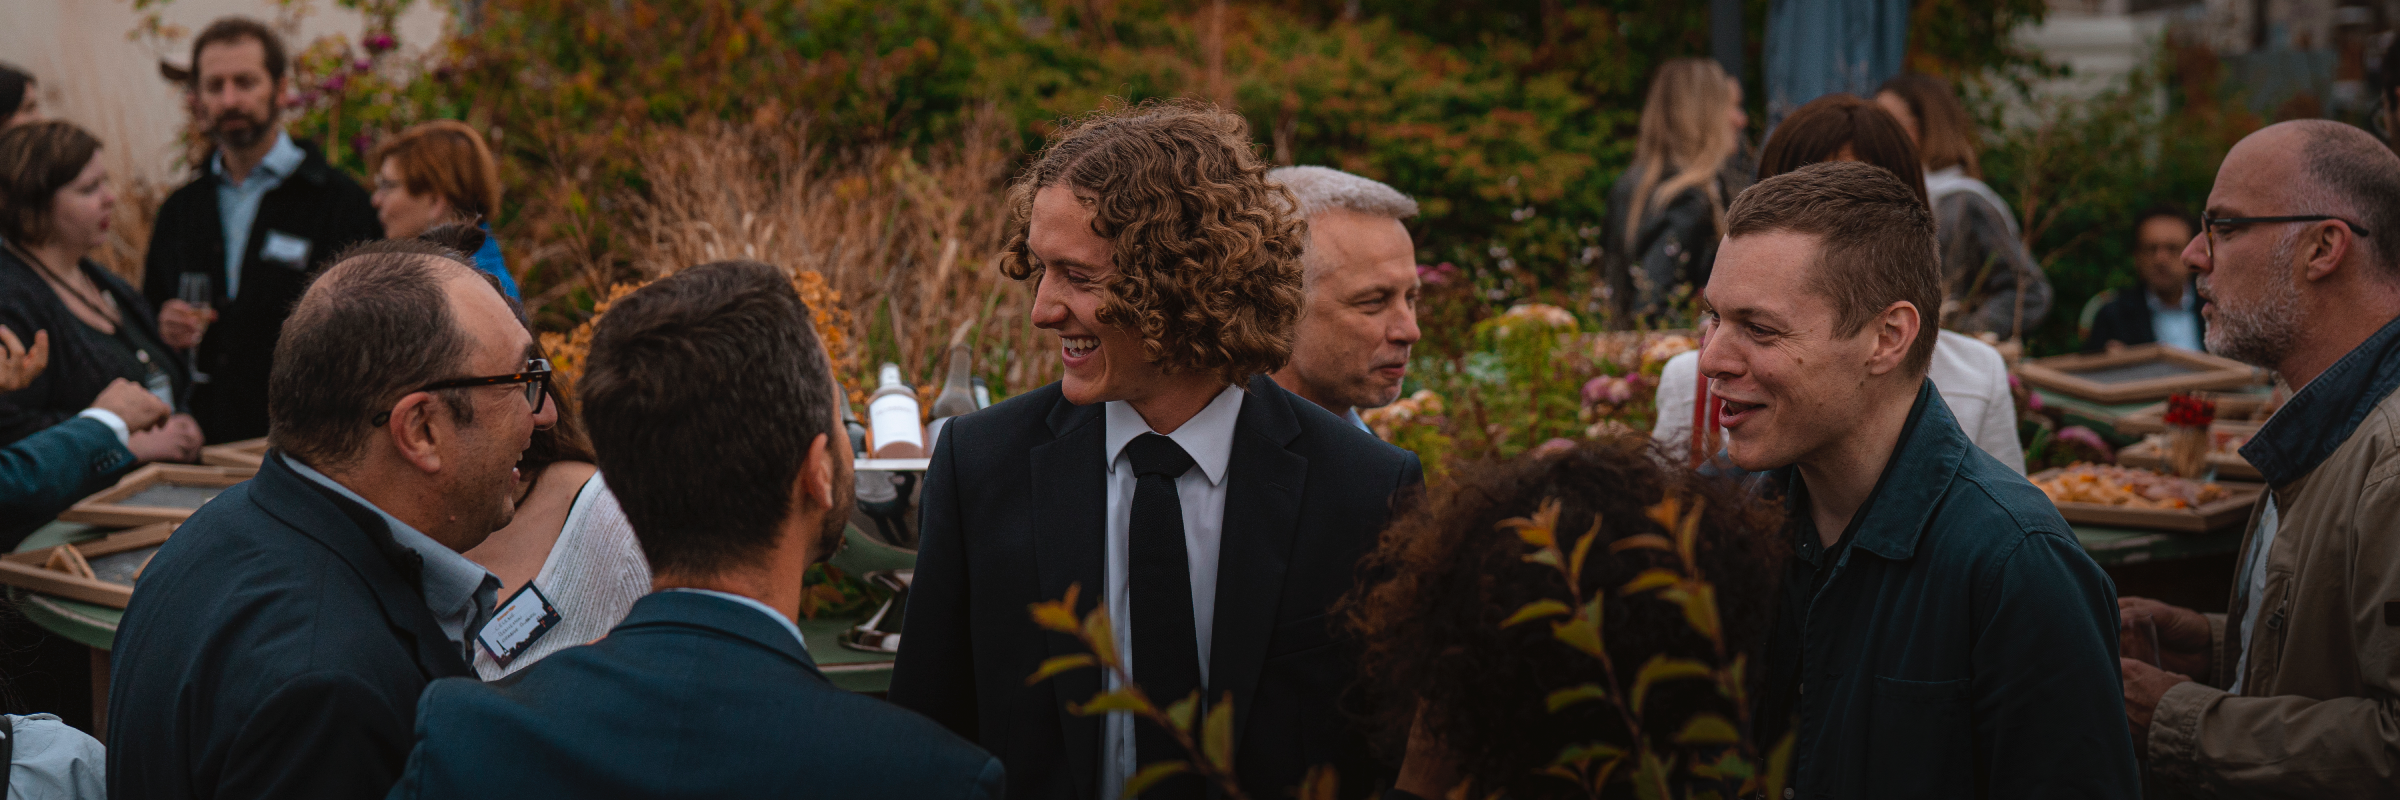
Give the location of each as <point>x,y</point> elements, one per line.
<point>245,138</point>
<point>2263,330</point>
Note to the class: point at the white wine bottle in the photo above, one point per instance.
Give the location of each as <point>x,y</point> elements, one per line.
<point>893,418</point>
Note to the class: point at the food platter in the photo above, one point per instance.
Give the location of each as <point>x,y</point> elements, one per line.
<point>248,453</point>
<point>2198,508</point>
<point>100,571</point>
<point>2134,374</point>
<point>156,493</point>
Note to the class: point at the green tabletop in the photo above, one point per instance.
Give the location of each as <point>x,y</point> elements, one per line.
<point>96,625</point>
<point>2119,546</point>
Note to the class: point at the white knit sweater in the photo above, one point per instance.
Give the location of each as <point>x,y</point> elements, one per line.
<point>594,573</point>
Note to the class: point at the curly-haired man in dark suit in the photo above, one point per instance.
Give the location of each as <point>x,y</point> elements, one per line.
<point>1216,515</point>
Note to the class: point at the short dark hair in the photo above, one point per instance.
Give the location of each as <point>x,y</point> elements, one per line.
<point>1207,249</point>
<point>37,160</point>
<point>703,391</point>
<point>337,363</point>
<point>1868,223</point>
<point>1816,132</point>
<point>2156,211</point>
<point>227,30</point>
<point>2348,167</point>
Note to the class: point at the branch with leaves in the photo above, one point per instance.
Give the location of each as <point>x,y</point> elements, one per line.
<point>1734,770</point>
<point>1209,745</point>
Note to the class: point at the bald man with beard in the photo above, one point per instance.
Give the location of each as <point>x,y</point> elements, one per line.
<point>2296,691</point>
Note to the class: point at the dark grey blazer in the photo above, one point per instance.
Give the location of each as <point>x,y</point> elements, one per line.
<point>1013,512</point>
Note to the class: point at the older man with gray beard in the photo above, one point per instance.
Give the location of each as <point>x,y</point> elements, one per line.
<point>2296,691</point>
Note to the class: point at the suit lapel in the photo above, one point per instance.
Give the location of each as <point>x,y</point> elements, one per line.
<point>1068,522</point>
<point>361,539</point>
<point>1262,516</point>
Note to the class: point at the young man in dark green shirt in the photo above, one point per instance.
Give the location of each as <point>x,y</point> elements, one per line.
<point>1942,635</point>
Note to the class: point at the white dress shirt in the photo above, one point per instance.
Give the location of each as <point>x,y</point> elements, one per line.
<point>1208,438</point>
<point>1970,375</point>
<point>2174,324</point>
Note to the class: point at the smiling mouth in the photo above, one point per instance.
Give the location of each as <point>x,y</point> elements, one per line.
<point>1731,413</point>
<point>1078,346</point>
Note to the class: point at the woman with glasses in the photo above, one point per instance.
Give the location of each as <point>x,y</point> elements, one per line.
<point>2165,306</point>
<point>441,172</point>
<point>55,209</point>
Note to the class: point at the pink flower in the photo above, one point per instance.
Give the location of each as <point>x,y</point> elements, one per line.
<point>361,65</point>
<point>335,83</point>
<point>380,42</point>
<point>1436,275</point>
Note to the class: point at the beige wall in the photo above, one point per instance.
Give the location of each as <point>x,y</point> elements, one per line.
<point>92,74</point>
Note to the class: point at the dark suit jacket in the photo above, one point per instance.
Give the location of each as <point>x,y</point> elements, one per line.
<point>80,362</point>
<point>275,647</point>
<point>317,203</point>
<point>691,696</point>
<point>2126,318</point>
<point>44,473</point>
<point>1013,512</point>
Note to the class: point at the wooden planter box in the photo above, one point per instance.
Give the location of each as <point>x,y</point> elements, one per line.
<point>2233,510</point>
<point>68,571</point>
<point>2134,374</point>
<point>155,493</point>
<point>246,454</point>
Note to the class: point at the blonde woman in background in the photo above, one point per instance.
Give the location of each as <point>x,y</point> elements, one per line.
<point>1667,211</point>
<point>1994,283</point>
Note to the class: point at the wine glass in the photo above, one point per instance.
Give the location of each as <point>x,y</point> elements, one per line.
<point>198,291</point>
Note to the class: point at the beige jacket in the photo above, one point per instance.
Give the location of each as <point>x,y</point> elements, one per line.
<point>2318,715</point>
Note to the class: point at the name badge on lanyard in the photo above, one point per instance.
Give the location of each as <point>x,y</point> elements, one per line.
<point>518,624</point>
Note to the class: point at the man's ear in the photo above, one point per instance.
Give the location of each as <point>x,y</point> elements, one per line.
<point>2327,247</point>
<point>1895,330</point>
<point>813,487</point>
<point>420,423</point>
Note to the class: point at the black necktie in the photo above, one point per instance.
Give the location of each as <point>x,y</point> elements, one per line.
<point>1166,651</point>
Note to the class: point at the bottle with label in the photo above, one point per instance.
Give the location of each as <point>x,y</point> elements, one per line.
<point>893,418</point>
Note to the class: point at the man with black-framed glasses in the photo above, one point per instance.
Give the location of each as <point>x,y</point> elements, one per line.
<point>277,645</point>
<point>2290,692</point>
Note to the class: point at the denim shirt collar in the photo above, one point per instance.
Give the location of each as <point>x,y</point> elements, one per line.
<point>1923,463</point>
<point>2323,414</point>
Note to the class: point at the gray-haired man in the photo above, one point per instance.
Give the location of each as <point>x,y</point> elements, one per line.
<point>1360,318</point>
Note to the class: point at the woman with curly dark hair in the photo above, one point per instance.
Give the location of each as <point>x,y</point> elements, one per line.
<point>1215,514</point>
<point>1475,694</point>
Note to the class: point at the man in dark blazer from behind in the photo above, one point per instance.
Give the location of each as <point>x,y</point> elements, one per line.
<point>1216,515</point>
<point>713,408</point>
<point>276,646</point>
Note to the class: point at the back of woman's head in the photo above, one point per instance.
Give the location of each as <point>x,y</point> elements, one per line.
<point>1946,136</point>
<point>36,160</point>
<point>446,158</point>
<point>1842,127</point>
<point>1686,133</point>
<point>1439,652</point>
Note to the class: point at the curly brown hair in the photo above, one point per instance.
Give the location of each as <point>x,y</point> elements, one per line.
<point>1434,648</point>
<point>1207,250</point>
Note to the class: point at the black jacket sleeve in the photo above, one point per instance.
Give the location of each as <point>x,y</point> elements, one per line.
<point>935,672</point>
